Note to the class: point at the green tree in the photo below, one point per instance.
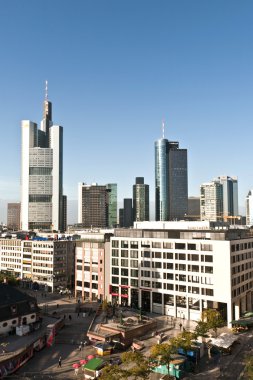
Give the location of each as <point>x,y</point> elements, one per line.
<point>135,366</point>
<point>213,319</point>
<point>201,329</point>
<point>163,352</point>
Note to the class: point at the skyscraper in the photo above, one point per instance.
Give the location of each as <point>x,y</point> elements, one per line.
<point>42,173</point>
<point>211,201</point>
<point>13,215</point>
<point>92,205</point>
<point>112,204</point>
<point>219,199</point>
<point>140,200</point>
<point>171,180</point>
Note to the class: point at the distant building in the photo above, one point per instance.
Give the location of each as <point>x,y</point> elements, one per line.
<point>219,199</point>
<point>13,215</point>
<point>171,180</point>
<point>93,205</point>
<point>140,200</point>
<point>126,213</point>
<point>112,204</point>
<point>42,173</point>
<point>193,208</point>
<point>65,212</point>
<point>249,208</point>
<point>211,201</point>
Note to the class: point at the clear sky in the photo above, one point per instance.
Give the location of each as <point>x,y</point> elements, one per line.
<point>116,69</point>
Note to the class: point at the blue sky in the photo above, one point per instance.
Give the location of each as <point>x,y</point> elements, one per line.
<point>116,69</point>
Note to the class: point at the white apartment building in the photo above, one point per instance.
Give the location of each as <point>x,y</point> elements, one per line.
<point>49,263</point>
<point>182,268</point>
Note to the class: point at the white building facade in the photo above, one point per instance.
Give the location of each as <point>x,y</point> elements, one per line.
<point>249,208</point>
<point>181,269</point>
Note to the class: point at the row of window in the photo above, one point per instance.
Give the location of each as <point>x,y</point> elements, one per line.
<point>156,244</point>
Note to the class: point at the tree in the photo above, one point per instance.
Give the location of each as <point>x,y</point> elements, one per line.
<point>201,329</point>
<point>135,366</point>
<point>213,319</point>
<point>163,352</point>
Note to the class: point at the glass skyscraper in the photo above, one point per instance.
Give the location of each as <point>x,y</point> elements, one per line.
<point>171,180</point>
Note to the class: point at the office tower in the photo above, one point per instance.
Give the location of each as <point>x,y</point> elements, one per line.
<point>193,208</point>
<point>42,173</point>
<point>140,200</point>
<point>112,204</point>
<point>211,201</point>
<point>230,195</point>
<point>171,180</point>
<point>92,205</point>
<point>249,208</point>
<point>220,199</point>
<point>13,215</point>
<point>126,213</point>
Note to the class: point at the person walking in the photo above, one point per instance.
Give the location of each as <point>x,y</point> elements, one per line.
<point>59,362</point>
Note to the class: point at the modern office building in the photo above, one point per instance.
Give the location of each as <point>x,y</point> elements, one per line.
<point>126,213</point>
<point>230,195</point>
<point>93,205</point>
<point>182,268</point>
<point>65,212</point>
<point>92,266</point>
<point>140,200</point>
<point>171,180</point>
<point>219,199</point>
<point>112,204</point>
<point>249,208</point>
<point>42,173</point>
<point>211,201</point>
<point>50,263</point>
<point>13,215</point>
<point>193,208</point>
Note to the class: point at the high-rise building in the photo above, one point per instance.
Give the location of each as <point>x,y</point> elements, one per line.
<point>65,212</point>
<point>171,180</point>
<point>13,215</point>
<point>230,195</point>
<point>126,213</point>
<point>92,205</point>
<point>219,199</point>
<point>112,204</point>
<point>140,200</point>
<point>193,208</point>
<point>249,208</point>
<point>42,173</point>
<point>211,201</point>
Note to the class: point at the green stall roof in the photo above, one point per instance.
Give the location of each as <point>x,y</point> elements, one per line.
<point>94,364</point>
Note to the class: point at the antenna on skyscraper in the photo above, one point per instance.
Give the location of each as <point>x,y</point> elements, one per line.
<point>46,91</point>
<point>163,127</point>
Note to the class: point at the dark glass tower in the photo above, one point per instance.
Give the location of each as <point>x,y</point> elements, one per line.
<point>140,200</point>
<point>171,180</point>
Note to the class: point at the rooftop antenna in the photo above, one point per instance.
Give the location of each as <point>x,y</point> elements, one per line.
<point>46,91</point>
<point>163,126</point>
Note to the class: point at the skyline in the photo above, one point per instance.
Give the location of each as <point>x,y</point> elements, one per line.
<point>115,71</point>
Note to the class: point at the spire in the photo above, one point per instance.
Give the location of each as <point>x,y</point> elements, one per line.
<point>163,127</point>
<point>46,91</point>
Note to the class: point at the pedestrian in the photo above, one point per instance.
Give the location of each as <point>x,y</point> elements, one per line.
<point>59,362</point>
<point>180,326</point>
<point>70,317</point>
<point>78,314</point>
